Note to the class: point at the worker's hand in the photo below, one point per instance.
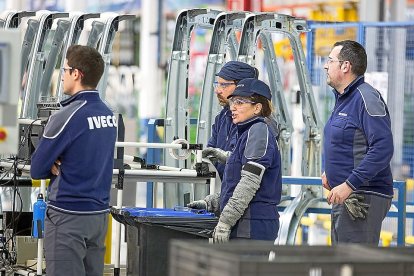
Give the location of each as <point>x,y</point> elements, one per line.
<point>325,183</point>
<point>211,203</point>
<point>339,193</point>
<point>198,204</point>
<point>216,155</point>
<point>55,170</point>
<point>221,233</point>
<point>356,206</point>
<point>202,168</point>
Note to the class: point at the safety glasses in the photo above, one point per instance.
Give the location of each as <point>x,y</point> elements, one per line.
<point>239,101</point>
<point>223,85</point>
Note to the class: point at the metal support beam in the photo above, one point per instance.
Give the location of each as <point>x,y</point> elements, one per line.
<point>260,26</point>
<point>77,22</point>
<point>37,62</point>
<point>13,19</point>
<point>177,120</point>
<point>224,46</point>
<point>105,46</point>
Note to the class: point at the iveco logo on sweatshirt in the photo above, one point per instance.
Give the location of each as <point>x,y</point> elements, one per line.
<point>102,121</point>
<point>342,114</point>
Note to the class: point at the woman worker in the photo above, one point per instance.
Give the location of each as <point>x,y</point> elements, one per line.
<point>252,181</point>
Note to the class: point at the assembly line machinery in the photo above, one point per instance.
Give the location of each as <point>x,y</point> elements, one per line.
<point>234,36</point>
<point>254,28</point>
<point>260,26</point>
<point>47,37</point>
<point>177,121</point>
<point>49,34</point>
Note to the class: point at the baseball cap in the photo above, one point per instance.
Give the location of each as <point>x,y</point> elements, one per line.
<point>248,87</point>
<point>237,70</point>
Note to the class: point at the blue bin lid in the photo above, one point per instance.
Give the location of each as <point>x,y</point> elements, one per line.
<point>178,211</point>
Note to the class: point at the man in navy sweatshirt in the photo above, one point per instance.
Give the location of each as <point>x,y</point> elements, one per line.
<point>358,147</point>
<point>223,131</point>
<point>76,152</point>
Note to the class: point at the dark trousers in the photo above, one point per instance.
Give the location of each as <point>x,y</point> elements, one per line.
<point>74,244</point>
<point>366,231</point>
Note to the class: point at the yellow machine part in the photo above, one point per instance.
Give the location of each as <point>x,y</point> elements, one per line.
<point>333,12</point>
<point>410,184</point>
<point>108,241</point>
<point>386,238</point>
<point>409,240</point>
<point>36,182</point>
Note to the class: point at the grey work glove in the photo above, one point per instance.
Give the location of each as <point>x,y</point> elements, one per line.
<point>251,177</point>
<point>216,155</point>
<point>198,204</point>
<point>356,207</point>
<point>211,203</point>
<point>221,233</point>
<point>203,168</point>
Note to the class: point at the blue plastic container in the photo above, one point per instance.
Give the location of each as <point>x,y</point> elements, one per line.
<point>159,212</point>
<point>149,231</point>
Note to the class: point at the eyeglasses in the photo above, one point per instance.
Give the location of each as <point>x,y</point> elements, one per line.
<point>239,101</point>
<point>63,69</point>
<point>330,60</point>
<point>223,85</point>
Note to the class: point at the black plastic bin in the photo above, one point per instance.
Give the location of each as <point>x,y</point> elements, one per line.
<point>252,259</point>
<point>149,231</point>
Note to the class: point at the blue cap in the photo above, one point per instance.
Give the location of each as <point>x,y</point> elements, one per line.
<point>236,70</point>
<point>248,87</point>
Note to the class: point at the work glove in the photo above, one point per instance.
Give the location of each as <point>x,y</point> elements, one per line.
<point>221,232</point>
<point>203,168</point>
<point>211,203</point>
<point>198,204</point>
<point>216,155</point>
<point>356,206</point>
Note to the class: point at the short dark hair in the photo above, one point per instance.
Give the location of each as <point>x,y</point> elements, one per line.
<point>267,107</point>
<point>87,60</point>
<point>355,53</point>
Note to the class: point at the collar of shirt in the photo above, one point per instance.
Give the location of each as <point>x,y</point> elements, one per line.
<point>351,87</point>
<point>241,127</point>
<point>80,95</point>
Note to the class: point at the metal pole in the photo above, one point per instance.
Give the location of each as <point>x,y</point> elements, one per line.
<point>117,234</point>
<point>150,95</point>
<point>149,145</point>
<point>157,173</point>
